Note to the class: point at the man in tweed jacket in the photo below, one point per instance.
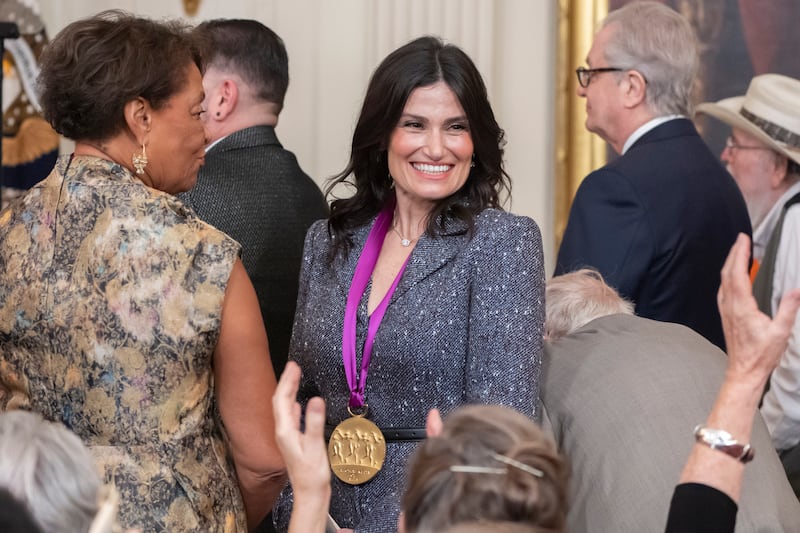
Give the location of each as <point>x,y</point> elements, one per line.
<point>251,187</point>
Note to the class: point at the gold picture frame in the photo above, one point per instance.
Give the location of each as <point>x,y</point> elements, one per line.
<point>578,152</point>
<point>190,7</point>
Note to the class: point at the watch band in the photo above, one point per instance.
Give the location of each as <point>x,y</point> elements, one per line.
<point>717,439</point>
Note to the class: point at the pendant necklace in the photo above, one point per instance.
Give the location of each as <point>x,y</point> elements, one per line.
<point>405,243</point>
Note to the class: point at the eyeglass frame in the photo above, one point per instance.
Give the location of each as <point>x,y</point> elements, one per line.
<point>731,144</point>
<point>589,72</point>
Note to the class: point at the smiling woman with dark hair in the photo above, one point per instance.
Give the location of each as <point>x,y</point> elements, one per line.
<point>124,316</point>
<point>419,291</point>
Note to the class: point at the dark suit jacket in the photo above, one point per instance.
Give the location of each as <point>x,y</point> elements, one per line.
<point>658,224</point>
<point>622,394</point>
<point>254,190</point>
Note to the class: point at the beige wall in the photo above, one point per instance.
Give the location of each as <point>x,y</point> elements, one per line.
<point>333,46</point>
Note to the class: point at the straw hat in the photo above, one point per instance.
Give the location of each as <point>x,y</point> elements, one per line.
<point>770,112</point>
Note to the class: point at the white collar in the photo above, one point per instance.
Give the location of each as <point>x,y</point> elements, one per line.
<point>213,144</point>
<point>644,128</point>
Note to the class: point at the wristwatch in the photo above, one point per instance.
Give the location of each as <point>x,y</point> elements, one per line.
<point>718,439</point>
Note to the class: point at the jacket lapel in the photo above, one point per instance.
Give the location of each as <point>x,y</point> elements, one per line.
<point>431,254</point>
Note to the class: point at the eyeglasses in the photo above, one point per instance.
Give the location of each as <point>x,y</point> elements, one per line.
<point>585,74</point>
<point>731,144</point>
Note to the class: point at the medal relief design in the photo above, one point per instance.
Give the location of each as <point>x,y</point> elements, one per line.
<point>356,450</point>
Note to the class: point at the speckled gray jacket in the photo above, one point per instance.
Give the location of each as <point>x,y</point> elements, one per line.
<point>464,326</point>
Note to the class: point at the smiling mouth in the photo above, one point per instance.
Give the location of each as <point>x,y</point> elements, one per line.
<point>431,169</point>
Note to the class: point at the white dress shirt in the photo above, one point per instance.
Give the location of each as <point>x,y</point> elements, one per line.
<point>644,128</point>
<point>781,406</point>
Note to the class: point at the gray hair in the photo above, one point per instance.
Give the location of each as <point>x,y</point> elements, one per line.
<point>48,468</point>
<point>573,300</point>
<point>658,42</point>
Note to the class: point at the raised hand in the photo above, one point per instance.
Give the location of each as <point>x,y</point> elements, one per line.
<point>755,341</point>
<point>305,454</point>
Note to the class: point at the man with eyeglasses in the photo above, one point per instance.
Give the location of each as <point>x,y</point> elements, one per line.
<point>763,155</point>
<point>659,220</point>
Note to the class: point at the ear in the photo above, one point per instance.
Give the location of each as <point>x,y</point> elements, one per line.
<point>223,100</point>
<point>138,117</point>
<point>779,170</point>
<point>634,87</point>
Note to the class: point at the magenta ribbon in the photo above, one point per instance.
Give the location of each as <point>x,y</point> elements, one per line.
<point>364,268</point>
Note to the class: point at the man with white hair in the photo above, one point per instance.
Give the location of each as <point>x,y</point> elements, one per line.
<point>621,394</point>
<point>763,155</point>
<point>658,221</point>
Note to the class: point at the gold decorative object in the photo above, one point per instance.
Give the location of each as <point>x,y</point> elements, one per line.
<point>356,450</point>
<point>191,7</point>
<point>578,152</point>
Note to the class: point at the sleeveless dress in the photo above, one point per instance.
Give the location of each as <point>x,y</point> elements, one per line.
<point>111,303</point>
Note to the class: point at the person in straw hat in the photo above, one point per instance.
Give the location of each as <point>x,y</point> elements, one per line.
<point>763,155</point>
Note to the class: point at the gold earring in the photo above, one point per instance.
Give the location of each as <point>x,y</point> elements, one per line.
<point>140,161</point>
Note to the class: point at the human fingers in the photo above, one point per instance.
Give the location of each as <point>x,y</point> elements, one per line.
<point>433,424</point>
<point>734,271</point>
<point>284,405</point>
<point>315,419</point>
<point>289,382</point>
<point>787,311</point>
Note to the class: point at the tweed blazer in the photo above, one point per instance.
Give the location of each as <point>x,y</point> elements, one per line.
<point>658,223</point>
<point>622,395</point>
<point>253,189</point>
<point>464,326</point>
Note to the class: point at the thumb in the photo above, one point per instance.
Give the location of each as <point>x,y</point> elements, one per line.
<point>433,425</point>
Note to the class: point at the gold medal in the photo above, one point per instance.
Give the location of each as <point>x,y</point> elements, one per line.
<point>356,450</point>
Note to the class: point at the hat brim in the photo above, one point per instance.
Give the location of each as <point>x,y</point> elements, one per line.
<point>727,110</point>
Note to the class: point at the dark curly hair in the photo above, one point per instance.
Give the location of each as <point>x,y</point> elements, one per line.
<point>420,63</point>
<point>96,65</point>
<point>438,498</point>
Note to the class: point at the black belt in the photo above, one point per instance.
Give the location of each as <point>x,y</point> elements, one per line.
<point>391,434</point>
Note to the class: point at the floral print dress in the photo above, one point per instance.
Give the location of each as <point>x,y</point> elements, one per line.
<point>110,303</point>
